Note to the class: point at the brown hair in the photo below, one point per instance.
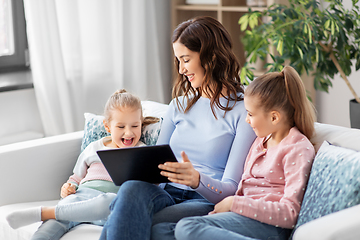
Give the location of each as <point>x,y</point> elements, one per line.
<point>210,39</point>
<point>121,99</point>
<point>285,91</point>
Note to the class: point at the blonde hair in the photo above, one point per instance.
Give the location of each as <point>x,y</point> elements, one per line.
<point>285,91</point>
<point>122,99</point>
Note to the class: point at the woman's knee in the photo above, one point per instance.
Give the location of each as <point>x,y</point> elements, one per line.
<point>131,192</point>
<point>133,187</point>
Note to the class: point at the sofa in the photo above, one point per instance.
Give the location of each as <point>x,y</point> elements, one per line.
<point>32,173</point>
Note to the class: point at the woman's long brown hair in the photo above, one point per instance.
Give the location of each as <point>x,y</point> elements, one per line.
<point>211,40</point>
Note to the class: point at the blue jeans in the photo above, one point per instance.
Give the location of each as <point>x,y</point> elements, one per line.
<point>226,225</point>
<point>139,205</point>
<point>86,205</point>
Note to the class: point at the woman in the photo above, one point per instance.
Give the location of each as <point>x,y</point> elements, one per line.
<point>206,129</point>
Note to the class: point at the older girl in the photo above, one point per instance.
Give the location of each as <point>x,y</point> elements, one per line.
<point>267,202</point>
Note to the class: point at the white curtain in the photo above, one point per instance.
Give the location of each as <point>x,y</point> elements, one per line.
<point>81,51</point>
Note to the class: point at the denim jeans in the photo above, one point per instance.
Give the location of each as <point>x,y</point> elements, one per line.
<point>139,205</point>
<point>87,205</point>
<point>226,225</point>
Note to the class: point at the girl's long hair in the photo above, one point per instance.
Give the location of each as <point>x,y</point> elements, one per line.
<point>285,91</point>
<point>210,39</point>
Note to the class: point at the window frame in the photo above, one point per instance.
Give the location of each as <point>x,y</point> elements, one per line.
<point>20,59</point>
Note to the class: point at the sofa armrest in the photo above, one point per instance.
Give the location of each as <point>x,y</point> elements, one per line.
<point>341,225</point>
<point>35,170</point>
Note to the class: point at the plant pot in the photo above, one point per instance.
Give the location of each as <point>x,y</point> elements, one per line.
<point>354,114</point>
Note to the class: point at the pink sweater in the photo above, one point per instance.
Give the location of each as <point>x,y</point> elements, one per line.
<point>274,180</point>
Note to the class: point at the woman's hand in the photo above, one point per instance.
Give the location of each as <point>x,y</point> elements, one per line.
<point>223,206</point>
<point>67,189</point>
<point>183,173</point>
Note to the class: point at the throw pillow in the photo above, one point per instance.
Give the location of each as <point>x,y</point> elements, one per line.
<point>94,129</point>
<point>334,183</point>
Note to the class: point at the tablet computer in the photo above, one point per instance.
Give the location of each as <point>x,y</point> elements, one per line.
<point>136,163</point>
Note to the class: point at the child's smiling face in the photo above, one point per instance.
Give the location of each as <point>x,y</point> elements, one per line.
<point>125,127</point>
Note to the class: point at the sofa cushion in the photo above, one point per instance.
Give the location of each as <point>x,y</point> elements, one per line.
<point>336,135</point>
<point>94,128</point>
<point>334,183</point>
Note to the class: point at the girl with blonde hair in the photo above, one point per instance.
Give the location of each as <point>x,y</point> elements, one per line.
<point>89,191</point>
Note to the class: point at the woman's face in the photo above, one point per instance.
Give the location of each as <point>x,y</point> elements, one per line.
<point>189,64</point>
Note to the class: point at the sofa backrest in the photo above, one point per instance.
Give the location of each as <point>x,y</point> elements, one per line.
<point>336,135</point>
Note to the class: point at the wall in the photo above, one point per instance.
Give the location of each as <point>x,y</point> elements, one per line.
<point>333,107</point>
<point>20,118</point>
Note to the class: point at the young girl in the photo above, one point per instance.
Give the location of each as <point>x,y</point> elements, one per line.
<point>89,191</point>
<point>205,127</point>
<point>268,199</point>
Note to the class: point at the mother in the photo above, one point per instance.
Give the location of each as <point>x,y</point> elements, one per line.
<point>206,129</point>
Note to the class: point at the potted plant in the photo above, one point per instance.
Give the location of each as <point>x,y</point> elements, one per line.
<point>324,41</point>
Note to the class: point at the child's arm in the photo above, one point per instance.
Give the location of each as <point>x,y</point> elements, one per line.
<point>81,168</point>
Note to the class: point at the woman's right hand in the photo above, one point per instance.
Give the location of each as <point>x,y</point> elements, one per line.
<point>67,189</point>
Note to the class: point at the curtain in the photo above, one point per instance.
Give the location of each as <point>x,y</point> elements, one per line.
<point>81,51</point>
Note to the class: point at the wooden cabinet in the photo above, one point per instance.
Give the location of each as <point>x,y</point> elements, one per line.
<point>228,12</point>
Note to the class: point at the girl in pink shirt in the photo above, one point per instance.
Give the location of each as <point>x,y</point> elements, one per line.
<point>89,191</point>
<point>267,202</point>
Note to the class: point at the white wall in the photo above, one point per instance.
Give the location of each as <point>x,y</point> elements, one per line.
<point>333,107</point>
<point>20,118</point>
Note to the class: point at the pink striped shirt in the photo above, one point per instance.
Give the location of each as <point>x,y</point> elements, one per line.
<point>274,180</point>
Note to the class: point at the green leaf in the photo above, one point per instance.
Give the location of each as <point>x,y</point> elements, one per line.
<point>310,34</point>
<point>332,28</point>
<point>279,47</point>
<point>244,21</point>
<point>357,64</point>
<point>305,28</point>
<point>243,75</point>
<point>325,33</point>
<point>327,24</point>
<point>300,52</point>
<point>253,21</point>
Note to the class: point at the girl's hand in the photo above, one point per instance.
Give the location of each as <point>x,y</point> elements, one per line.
<point>183,173</point>
<point>67,189</point>
<point>223,206</point>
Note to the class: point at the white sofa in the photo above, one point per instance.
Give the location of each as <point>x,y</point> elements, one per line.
<point>32,172</point>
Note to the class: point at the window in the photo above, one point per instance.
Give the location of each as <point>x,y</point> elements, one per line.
<point>13,41</point>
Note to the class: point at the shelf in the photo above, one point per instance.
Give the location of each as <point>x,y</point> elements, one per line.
<point>241,9</point>
<point>197,7</point>
<point>218,8</point>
